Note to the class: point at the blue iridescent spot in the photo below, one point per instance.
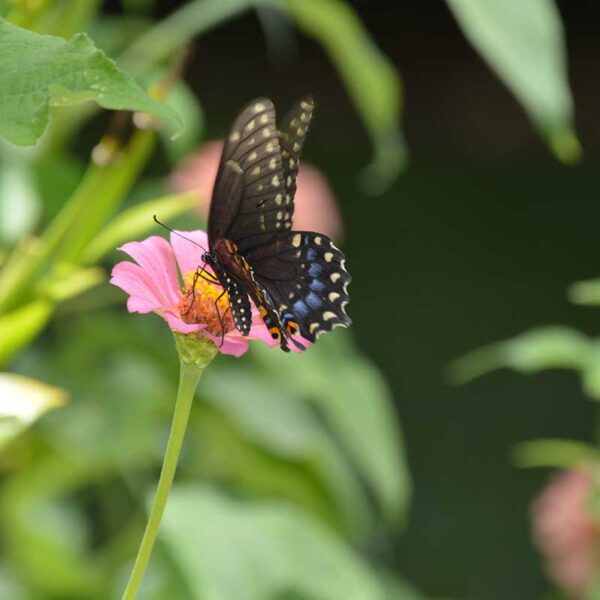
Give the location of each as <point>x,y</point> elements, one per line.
<point>315,269</point>
<point>311,254</point>
<point>286,318</point>
<point>317,286</point>
<point>300,308</point>
<point>313,300</point>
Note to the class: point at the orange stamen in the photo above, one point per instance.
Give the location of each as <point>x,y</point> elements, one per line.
<point>199,302</point>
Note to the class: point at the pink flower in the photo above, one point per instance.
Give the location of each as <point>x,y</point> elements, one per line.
<point>153,285</point>
<point>315,205</point>
<point>565,532</point>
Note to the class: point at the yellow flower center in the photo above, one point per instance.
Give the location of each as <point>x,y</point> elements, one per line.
<point>205,302</point>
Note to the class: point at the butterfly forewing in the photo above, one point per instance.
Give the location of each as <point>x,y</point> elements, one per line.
<point>305,277</point>
<point>248,205</point>
<point>292,132</point>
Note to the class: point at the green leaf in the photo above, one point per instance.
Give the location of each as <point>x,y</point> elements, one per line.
<point>23,400</point>
<point>356,403</point>
<point>543,348</point>
<point>585,292</point>
<point>136,222</point>
<point>67,281</point>
<point>39,71</point>
<point>281,423</point>
<point>370,77</point>
<point>20,326</point>
<point>226,549</point>
<point>46,540</point>
<point>523,43</point>
<point>553,453</point>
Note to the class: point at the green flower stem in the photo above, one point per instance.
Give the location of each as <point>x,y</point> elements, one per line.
<point>195,355</point>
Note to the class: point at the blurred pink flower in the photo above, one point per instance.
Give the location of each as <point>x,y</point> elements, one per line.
<point>565,533</point>
<point>315,205</point>
<point>153,285</point>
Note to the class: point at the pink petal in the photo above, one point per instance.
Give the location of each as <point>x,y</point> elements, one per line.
<point>144,296</point>
<point>233,344</point>
<point>189,252</point>
<point>259,331</point>
<point>155,256</point>
<point>178,325</point>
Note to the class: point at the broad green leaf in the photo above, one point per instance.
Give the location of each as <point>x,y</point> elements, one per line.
<point>542,348</point>
<point>356,403</point>
<point>281,423</point>
<point>22,401</point>
<point>226,549</point>
<point>39,71</point>
<point>370,77</point>
<point>135,222</point>
<point>523,42</point>
<point>585,292</point>
<point>553,453</point>
<point>19,327</point>
<point>45,538</point>
<point>219,450</point>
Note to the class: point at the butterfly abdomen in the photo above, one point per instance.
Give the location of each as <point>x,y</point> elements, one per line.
<point>231,262</point>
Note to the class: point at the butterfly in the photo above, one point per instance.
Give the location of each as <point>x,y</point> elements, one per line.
<point>296,279</point>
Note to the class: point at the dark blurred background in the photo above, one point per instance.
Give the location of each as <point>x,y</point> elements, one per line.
<point>475,242</point>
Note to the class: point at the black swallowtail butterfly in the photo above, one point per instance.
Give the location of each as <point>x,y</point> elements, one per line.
<point>296,279</point>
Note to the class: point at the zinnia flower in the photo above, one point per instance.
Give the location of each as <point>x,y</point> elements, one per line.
<point>565,532</point>
<point>153,285</point>
<point>315,205</point>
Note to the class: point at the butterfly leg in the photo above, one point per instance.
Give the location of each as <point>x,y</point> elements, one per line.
<point>201,272</point>
<point>221,322</point>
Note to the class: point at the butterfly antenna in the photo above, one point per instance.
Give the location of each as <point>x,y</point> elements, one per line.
<point>177,233</point>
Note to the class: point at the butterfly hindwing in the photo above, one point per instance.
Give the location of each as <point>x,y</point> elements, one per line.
<point>304,276</point>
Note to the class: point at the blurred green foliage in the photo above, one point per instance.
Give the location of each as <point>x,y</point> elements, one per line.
<point>523,42</point>
<point>294,476</point>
